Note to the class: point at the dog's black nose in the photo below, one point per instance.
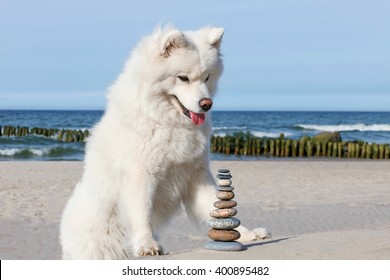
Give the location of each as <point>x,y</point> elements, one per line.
<point>206,103</point>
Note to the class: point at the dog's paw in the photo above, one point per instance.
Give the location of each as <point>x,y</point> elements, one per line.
<point>260,233</point>
<point>153,249</point>
<point>253,235</point>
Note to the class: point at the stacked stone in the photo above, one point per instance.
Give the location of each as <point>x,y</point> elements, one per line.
<point>222,226</point>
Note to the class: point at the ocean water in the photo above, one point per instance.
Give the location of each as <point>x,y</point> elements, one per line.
<point>372,127</point>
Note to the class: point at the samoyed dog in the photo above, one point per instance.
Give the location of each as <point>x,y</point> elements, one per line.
<point>148,156</point>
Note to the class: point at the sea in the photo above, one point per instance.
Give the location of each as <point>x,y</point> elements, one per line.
<point>372,127</point>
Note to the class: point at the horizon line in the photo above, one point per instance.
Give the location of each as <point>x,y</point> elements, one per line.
<point>230,110</point>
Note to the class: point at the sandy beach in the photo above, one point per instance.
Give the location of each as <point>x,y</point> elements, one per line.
<point>315,210</point>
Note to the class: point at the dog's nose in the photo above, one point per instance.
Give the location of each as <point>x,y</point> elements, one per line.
<point>206,103</point>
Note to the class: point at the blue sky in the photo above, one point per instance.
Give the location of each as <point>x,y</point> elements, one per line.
<point>279,55</point>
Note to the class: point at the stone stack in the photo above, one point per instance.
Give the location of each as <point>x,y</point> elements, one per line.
<point>222,225</point>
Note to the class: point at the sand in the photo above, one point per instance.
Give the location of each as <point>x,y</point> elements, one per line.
<point>336,209</point>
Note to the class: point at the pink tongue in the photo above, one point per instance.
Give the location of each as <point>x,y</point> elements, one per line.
<point>197,118</point>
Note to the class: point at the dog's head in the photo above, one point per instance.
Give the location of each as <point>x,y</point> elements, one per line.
<point>181,71</point>
<point>195,66</point>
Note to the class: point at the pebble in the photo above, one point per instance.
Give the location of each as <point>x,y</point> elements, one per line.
<point>224,176</point>
<point>225,246</point>
<point>223,235</point>
<point>222,204</point>
<point>224,182</point>
<point>225,188</point>
<point>225,223</point>
<point>223,213</point>
<point>225,195</point>
<point>223,171</point>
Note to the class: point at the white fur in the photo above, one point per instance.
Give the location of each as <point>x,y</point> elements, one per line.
<point>145,158</point>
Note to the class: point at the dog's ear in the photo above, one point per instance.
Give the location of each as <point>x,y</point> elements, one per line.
<point>171,40</point>
<point>215,36</point>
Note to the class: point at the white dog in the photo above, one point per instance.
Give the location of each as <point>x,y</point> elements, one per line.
<point>149,153</point>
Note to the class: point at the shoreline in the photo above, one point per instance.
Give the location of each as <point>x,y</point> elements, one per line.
<point>315,209</point>
<point>233,158</point>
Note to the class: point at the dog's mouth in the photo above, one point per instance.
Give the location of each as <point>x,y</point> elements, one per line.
<point>196,118</point>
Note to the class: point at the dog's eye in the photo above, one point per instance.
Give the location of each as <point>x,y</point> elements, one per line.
<point>183,79</point>
<point>207,78</point>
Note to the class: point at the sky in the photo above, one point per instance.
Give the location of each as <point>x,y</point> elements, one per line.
<point>278,54</point>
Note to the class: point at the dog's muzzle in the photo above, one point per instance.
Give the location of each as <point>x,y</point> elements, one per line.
<point>196,118</point>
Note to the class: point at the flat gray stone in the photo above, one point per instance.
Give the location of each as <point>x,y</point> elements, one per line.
<point>225,246</point>
<point>225,188</point>
<point>225,223</point>
<point>224,176</point>
<point>223,171</point>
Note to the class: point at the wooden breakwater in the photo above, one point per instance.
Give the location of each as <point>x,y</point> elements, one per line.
<point>328,145</point>
<point>64,135</point>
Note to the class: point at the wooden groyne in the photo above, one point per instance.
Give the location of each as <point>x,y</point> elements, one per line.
<point>325,144</point>
<point>64,135</point>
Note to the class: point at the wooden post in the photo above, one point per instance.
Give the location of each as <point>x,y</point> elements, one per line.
<point>12,131</point>
<point>258,146</point>
<point>237,145</point>
<point>18,131</point>
<point>25,131</point>
<point>302,146</point>
<point>334,150</point>
<point>287,151</point>
<point>219,144</point>
<point>357,150</point>
<point>67,135</point>
<point>79,136</point>
<point>295,147</point>
<point>309,148</point>
<point>246,146</point>
<point>330,147</point>
<point>340,149</point>
<point>283,148</point>
<point>223,144</point>
<point>277,147</point>
<point>324,148</point>
<point>382,151</point>
<point>230,146</point>
<point>375,154</point>
<point>318,149</point>
<point>369,151</point>
<point>253,144</point>
<point>266,146</point>
<point>60,135</point>
<point>352,147</point>
<point>364,149</point>
<point>272,147</point>
<point>349,150</point>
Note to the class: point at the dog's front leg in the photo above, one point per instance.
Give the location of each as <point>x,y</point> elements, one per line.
<point>137,205</point>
